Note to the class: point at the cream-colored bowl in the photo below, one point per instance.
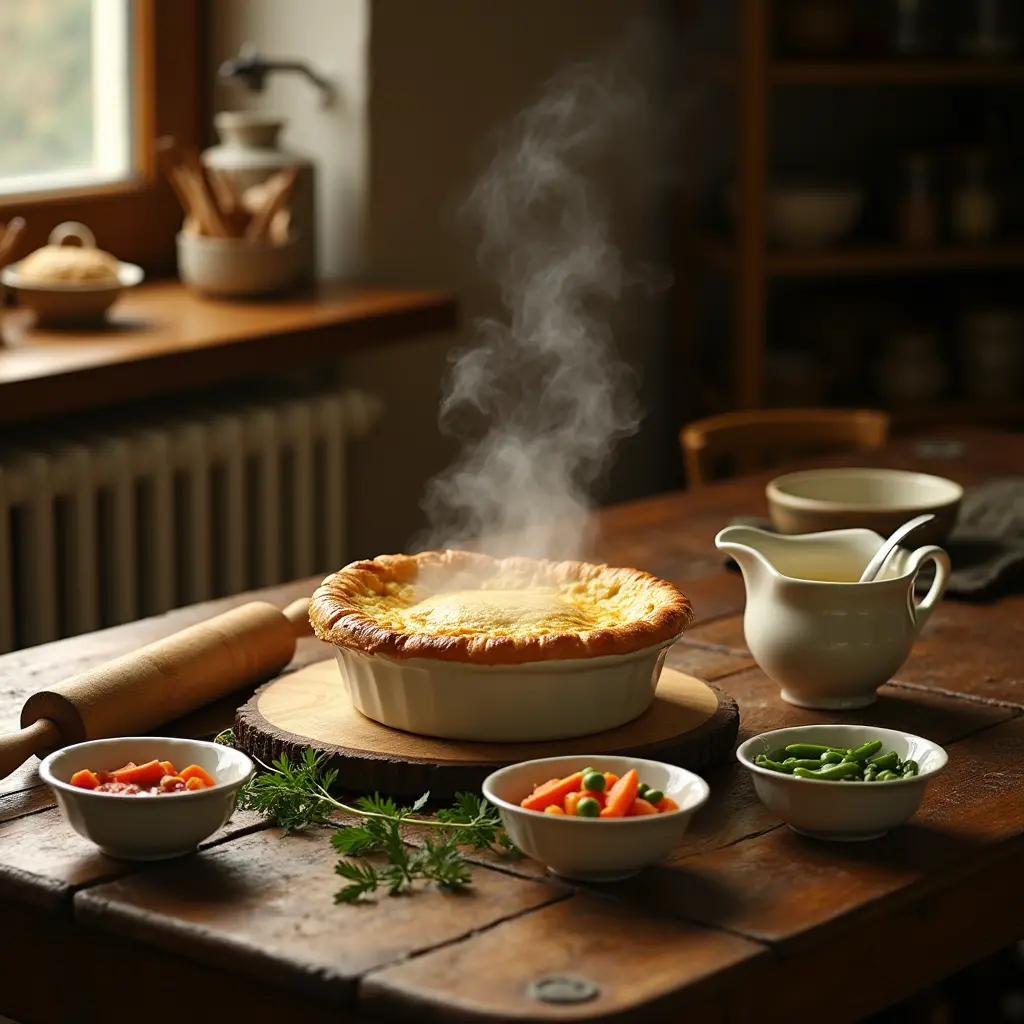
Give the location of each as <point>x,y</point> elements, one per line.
<point>544,700</point>
<point>146,828</point>
<point>235,266</point>
<point>65,303</point>
<point>595,849</point>
<point>877,499</point>
<point>812,217</point>
<point>844,811</point>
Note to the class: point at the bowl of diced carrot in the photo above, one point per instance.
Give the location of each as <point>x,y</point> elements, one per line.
<point>598,818</point>
<point>146,797</point>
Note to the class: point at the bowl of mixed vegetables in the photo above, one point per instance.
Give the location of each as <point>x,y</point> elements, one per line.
<point>598,818</point>
<point>146,797</point>
<point>841,782</point>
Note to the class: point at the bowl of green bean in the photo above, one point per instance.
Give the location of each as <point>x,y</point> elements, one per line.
<point>841,782</point>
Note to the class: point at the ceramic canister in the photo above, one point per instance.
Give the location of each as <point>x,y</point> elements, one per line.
<point>250,151</point>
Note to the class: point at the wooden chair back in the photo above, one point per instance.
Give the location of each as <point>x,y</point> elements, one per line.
<point>755,439</point>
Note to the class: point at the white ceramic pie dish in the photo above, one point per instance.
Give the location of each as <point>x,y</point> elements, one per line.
<point>595,849</point>
<point>535,701</point>
<point>146,828</point>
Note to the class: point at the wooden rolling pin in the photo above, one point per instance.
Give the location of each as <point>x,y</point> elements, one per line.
<point>161,681</point>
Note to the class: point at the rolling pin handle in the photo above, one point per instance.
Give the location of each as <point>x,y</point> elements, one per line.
<point>297,613</point>
<point>40,737</point>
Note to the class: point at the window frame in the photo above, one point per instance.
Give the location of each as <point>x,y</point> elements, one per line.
<point>137,219</point>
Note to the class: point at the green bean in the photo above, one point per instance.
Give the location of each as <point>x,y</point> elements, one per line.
<point>801,750</point>
<point>832,757</point>
<point>862,753</point>
<point>886,776</point>
<point>909,768</point>
<point>886,761</point>
<point>830,772</point>
<point>810,763</point>
<point>870,773</point>
<point>775,766</point>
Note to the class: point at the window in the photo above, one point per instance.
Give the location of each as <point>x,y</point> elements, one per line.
<point>65,110</point>
<point>88,87</point>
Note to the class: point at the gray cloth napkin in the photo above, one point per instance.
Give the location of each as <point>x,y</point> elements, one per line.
<point>986,547</point>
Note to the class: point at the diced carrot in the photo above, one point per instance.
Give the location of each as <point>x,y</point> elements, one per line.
<point>168,768</point>
<point>85,779</point>
<point>195,783</point>
<point>641,808</point>
<point>571,800</point>
<point>610,778</point>
<point>554,809</point>
<point>172,783</point>
<point>666,803</point>
<point>553,792</point>
<point>621,796</point>
<point>193,771</point>
<point>148,774</point>
<point>594,795</point>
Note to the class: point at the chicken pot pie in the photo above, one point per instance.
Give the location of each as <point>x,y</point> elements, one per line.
<point>461,606</point>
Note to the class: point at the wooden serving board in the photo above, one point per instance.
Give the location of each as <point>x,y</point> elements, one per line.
<point>690,723</point>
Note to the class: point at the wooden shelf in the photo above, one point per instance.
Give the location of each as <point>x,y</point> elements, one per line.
<point>960,412</point>
<point>869,260</point>
<point>895,72</point>
<point>162,339</point>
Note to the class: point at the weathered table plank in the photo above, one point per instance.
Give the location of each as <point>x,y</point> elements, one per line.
<point>263,906</point>
<point>641,963</point>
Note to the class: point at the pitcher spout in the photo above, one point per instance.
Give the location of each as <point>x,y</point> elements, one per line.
<point>744,544</point>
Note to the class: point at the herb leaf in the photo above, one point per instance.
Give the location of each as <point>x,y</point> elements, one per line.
<point>362,878</point>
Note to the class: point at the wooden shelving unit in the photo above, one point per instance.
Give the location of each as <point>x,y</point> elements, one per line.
<point>748,260</point>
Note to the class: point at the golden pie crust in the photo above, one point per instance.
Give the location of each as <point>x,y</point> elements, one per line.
<point>469,607</point>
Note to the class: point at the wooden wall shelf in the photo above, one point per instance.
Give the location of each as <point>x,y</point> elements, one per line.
<point>870,260</point>
<point>895,72</point>
<point>162,339</point>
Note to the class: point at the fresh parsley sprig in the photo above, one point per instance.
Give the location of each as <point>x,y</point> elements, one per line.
<point>296,795</point>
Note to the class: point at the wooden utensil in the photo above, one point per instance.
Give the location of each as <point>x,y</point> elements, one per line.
<point>160,682</point>
<point>278,192</point>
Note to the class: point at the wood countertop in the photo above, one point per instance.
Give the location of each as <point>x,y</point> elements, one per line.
<point>747,921</point>
<point>163,339</point>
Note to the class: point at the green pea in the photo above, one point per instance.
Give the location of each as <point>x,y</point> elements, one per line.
<point>807,762</point>
<point>865,751</point>
<point>814,750</point>
<point>654,796</point>
<point>909,768</point>
<point>833,756</point>
<point>594,781</point>
<point>588,807</point>
<point>886,761</point>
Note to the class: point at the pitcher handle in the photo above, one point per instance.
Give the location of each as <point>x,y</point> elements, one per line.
<point>923,609</point>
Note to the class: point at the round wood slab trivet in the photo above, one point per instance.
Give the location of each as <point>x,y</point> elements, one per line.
<point>690,723</point>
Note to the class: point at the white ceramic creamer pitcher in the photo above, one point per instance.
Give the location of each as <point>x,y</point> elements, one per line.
<point>826,639</point>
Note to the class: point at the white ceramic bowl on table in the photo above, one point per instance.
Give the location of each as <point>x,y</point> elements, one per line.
<point>844,811</point>
<point>503,703</point>
<point>594,849</point>
<point>146,828</point>
<point>877,499</point>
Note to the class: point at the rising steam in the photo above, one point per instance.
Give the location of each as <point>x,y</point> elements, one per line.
<point>541,399</point>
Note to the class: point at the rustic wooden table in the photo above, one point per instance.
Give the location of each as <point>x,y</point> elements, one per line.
<point>747,921</point>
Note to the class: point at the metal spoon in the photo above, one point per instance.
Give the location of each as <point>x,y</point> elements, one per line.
<point>889,546</point>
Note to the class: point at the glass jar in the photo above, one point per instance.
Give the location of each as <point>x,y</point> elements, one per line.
<point>918,205</point>
<point>974,209</point>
